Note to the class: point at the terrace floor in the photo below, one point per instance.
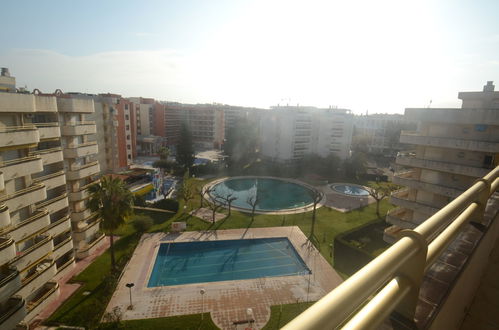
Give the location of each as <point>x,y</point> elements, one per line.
<point>227,301</point>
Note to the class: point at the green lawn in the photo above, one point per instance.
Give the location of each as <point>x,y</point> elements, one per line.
<point>87,310</point>
<point>280,315</point>
<point>183,322</point>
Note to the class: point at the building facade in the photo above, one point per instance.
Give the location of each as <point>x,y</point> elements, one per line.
<point>380,133</point>
<point>45,165</point>
<point>450,150</point>
<point>290,133</point>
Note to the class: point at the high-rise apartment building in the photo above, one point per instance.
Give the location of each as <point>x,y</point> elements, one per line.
<point>45,165</point>
<point>150,125</point>
<point>290,133</point>
<point>116,132</point>
<point>451,149</point>
<point>380,133</point>
<point>205,122</point>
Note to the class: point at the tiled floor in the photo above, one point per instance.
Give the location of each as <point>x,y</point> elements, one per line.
<point>226,301</point>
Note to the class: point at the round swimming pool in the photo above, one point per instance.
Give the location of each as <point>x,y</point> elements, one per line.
<point>350,189</point>
<point>272,194</point>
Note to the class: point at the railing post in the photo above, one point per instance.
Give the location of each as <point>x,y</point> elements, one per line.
<point>482,200</point>
<point>413,271</point>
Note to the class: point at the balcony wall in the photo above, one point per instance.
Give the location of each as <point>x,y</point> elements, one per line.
<point>410,179</point>
<point>10,282</point>
<point>17,102</point>
<point>48,130</point>
<point>78,195</point>
<point>75,105</point>
<point>54,204</point>
<point>79,216</point>
<point>2,181</point>
<point>401,198</point>
<point>34,253</point>
<point>24,197</point>
<point>7,249</point>
<point>11,137</point>
<point>87,231</point>
<point>50,156</point>
<point>52,180</point>
<point>454,116</point>
<point>410,137</point>
<point>20,167</point>
<point>63,248</point>
<point>402,217</point>
<point>38,279</point>
<point>81,150</point>
<point>406,160</point>
<point>60,226</point>
<point>41,299</point>
<point>79,128</point>
<point>4,217</point>
<point>28,227</point>
<point>65,268</point>
<point>83,171</point>
<point>90,247</point>
<point>13,312</point>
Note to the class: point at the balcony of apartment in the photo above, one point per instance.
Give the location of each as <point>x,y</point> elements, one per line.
<point>4,218</point>
<point>35,277</point>
<point>62,245</point>
<point>10,282</point>
<point>409,159</point>
<point>12,312</point>
<point>79,128</point>
<point>2,181</point>
<point>77,216</point>
<point>89,247</point>
<point>18,102</point>
<point>36,248</point>
<point>24,197</point>
<point>403,198</point>
<point>20,167</point>
<point>40,299</point>
<point>35,223</point>
<point>83,171</point>
<point>87,228</point>
<point>49,156</point>
<point>54,204</point>
<point>7,249</point>
<point>453,116</point>
<point>81,150</point>
<point>414,137</point>
<point>75,105</point>
<point>80,194</point>
<point>59,226</point>
<point>403,218</point>
<point>411,179</point>
<point>52,180</point>
<point>48,130</point>
<point>17,136</point>
<point>64,264</point>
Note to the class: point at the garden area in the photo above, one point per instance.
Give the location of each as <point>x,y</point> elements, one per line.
<point>86,306</point>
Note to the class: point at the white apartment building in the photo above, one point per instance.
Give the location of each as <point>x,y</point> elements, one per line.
<point>289,133</point>
<point>43,157</point>
<point>451,149</point>
<point>380,132</point>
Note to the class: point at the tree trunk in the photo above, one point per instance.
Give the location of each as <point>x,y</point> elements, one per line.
<point>229,209</point>
<point>312,231</point>
<point>201,200</point>
<point>213,214</point>
<point>111,248</point>
<point>377,208</point>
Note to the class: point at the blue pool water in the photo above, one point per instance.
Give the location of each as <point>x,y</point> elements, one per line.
<point>212,261</point>
<point>350,189</point>
<point>272,194</point>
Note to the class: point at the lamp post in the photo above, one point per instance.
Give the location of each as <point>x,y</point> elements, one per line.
<point>202,292</point>
<point>249,313</point>
<point>130,286</point>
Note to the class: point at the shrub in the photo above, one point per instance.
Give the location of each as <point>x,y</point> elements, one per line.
<point>142,223</point>
<point>139,200</point>
<point>166,204</point>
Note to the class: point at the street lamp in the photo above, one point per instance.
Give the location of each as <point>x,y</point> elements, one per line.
<point>202,292</point>
<point>130,286</point>
<point>251,318</point>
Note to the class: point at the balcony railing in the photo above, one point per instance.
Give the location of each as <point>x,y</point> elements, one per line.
<point>55,204</point>
<point>12,312</point>
<point>48,130</point>
<point>409,179</point>
<point>7,249</point>
<point>411,160</point>
<point>52,180</point>
<point>24,197</point>
<point>35,223</point>
<point>83,171</point>
<point>20,167</point>
<point>410,137</point>
<point>16,136</point>
<point>392,281</point>
<point>79,128</point>
<point>49,156</point>
<point>81,150</point>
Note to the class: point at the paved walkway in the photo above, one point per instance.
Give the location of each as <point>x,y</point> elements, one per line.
<point>67,289</point>
<point>227,301</point>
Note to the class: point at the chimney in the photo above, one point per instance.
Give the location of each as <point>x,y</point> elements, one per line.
<point>487,88</point>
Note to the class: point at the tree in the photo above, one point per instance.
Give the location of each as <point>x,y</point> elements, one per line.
<point>379,192</point>
<point>186,191</point>
<point>185,150</point>
<point>201,193</point>
<point>253,201</point>
<point>113,202</point>
<point>316,198</point>
<point>227,200</point>
<point>213,205</point>
<point>356,165</point>
<point>164,153</point>
<point>241,143</point>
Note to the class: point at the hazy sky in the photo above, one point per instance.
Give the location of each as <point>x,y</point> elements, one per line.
<point>380,56</point>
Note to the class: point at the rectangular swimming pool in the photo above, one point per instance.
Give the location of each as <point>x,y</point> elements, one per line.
<point>212,261</point>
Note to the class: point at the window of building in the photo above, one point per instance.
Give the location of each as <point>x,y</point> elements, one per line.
<point>480,128</point>
<point>128,147</point>
<point>127,127</point>
<point>127,117</point>
<point>460,154</point>
<point>128,137</point>
<point>129,156</point>
<point>126,106</point>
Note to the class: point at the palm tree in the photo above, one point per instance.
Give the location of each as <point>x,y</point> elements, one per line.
<point>113,202</point>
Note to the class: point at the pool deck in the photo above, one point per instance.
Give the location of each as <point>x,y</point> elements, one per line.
<point>227,301</point>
